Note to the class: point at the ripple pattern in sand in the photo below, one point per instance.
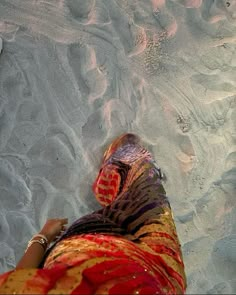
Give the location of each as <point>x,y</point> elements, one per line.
<point>75,74</point>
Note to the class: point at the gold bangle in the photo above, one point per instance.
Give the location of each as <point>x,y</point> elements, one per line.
<point>42,242</point>
<point>43,239</point>
<point>40,236</point>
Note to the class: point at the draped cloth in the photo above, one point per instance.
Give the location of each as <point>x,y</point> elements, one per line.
<point>130,246</point>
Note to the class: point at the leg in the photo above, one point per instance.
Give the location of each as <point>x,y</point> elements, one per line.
<point>136,206</point>
<point>137,203</point>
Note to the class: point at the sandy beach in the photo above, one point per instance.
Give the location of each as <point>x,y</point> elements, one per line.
<point>74,75</point>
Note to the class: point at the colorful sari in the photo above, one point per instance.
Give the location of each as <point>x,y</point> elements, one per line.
<point>130,246</point>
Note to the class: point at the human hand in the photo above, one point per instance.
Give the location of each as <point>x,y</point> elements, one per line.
<point>53,228</point>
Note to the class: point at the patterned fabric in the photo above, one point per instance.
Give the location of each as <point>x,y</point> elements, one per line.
<point>130,246</point>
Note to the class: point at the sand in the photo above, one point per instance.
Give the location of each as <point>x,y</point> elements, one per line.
<point>76,74</point>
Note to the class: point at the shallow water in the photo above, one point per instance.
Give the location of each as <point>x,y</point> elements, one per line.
<point>76,74</point>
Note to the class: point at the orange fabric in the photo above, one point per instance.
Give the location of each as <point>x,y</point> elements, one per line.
<point>147,259</point>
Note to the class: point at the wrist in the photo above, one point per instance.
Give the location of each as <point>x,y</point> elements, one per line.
<point>47,236</point>
<point>38,239</point>
<point>38,243</point>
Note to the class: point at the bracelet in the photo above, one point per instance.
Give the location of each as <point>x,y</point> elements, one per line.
<point>40,236</point>
<point>36,241</point>
<point>42,241</point>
